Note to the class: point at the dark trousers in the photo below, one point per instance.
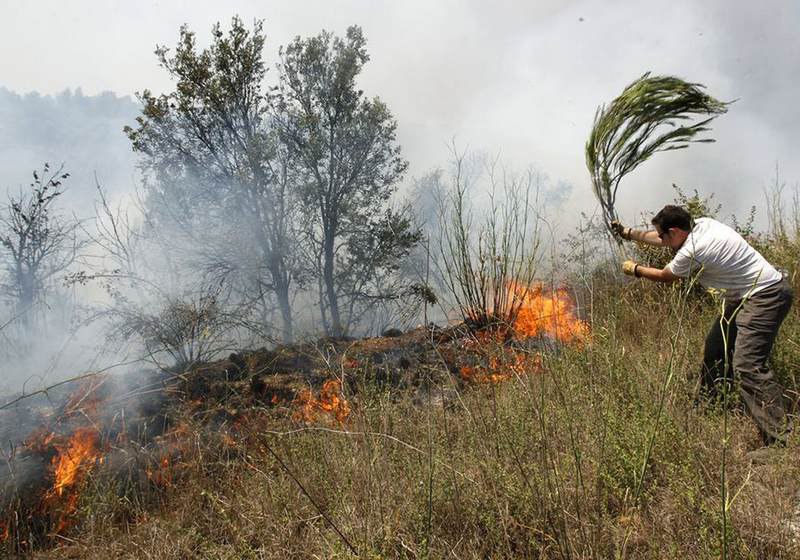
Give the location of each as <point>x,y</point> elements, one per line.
<point>750,326</point>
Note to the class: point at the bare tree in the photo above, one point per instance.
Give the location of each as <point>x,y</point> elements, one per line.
<point>39,243</point>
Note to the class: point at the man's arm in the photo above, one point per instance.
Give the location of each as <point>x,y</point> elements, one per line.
<point>656,274</point>
<point>650,237</point>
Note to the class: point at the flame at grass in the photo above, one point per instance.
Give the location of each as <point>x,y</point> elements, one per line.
<point>78,455</point>
<point>536,312</point>
<point>330,402</point>
<point>546,313</point>
<point>502,368</point>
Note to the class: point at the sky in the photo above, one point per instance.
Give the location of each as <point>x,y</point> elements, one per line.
<point>521,79</point>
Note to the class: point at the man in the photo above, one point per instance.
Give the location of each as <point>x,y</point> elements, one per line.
<point>757,299</point>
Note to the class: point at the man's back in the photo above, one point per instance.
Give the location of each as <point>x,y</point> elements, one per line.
<point>728,261</point>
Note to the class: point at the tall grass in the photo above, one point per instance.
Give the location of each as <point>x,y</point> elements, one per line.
<point>599,454</point>
<point>545,466</point>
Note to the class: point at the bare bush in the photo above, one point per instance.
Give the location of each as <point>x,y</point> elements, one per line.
<point>188,330</point>
<point>39,244</point>
<point>488,261</point>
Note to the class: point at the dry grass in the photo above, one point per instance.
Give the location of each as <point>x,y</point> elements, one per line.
<point>599,452</point>
<point>542,466</point>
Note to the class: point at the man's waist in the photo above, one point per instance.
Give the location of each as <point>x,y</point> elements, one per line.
<point>776,286</point>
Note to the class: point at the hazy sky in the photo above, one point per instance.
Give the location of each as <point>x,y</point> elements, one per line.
<point>522,78</point>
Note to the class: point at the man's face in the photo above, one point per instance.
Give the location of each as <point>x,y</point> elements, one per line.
<point>672,237</point>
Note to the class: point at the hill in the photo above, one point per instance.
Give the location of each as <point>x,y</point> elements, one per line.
<point>434,442</point>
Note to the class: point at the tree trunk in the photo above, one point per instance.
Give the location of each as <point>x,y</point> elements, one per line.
<point>27,296</point>
<point>282,294</point>
<point>330,286</point>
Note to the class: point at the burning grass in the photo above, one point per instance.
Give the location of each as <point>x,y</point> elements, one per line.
<point>540,460</point>
<point>89,440</point>
<point>330,403</point>
<point>73,461</point>
<point>543,312</point>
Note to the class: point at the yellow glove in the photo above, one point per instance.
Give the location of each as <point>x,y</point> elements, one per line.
<point>629,268</point>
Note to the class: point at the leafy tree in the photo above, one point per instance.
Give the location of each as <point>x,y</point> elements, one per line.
<point>39,244</point>
<point>220,174</point>
<point>348,164</point>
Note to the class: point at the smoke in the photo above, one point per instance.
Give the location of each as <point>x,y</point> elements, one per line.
<point>84,133</point>
<point>521,79</point>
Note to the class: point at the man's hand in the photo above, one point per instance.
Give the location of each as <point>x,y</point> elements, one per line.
<point>620,230</point>
<point>629,268</point>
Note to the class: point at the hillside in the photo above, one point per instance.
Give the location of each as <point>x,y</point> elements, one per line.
<point>433,442</point>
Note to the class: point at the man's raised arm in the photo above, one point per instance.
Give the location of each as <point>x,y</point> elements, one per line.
<point>629,234</point>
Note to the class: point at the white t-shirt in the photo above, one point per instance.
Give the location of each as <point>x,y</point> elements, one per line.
<point>728,261</point>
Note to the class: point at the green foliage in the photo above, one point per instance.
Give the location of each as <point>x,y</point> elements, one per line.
<point>349,164</point>
<point>697,206</point>
<point>631,129</point>
<point>218,176</point>
<point>217,104</point>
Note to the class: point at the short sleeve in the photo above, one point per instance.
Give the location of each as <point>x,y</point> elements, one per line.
<point>683,264</point>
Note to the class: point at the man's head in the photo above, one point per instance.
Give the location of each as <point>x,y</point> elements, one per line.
<point>673,224</point>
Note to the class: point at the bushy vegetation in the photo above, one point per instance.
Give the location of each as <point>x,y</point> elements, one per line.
<point>597,447</point>
<point>603,453</point>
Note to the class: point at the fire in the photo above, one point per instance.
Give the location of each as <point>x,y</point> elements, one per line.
<point>75,458</point>
<point>546,314</point>
<point>329,402</point>
<point>161,475</point>
<point>539,313</point>
<point>502,368</point>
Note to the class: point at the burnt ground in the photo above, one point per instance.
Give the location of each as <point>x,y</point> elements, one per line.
<point>142,407</point>
<point>275,377</point>
<point>405,363</point>
<point>138,424</point>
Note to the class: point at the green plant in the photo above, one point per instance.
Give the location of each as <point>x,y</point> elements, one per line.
<point>632,128</point>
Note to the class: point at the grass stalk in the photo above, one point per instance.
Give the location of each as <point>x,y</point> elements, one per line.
<point>667,381</point>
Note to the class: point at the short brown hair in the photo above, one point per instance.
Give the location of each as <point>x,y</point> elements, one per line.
<point>672,216</point>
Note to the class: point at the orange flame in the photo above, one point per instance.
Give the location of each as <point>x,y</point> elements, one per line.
<point>160,475</point>
<point>75,458</point>
<point>546,314</point>
<point>502,368</point>
<point>329,402</point>
<point>538,313</point>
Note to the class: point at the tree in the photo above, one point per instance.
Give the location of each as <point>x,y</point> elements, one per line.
<point>217,164</point>
<point>348,162</point>
<point>39,244</point>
